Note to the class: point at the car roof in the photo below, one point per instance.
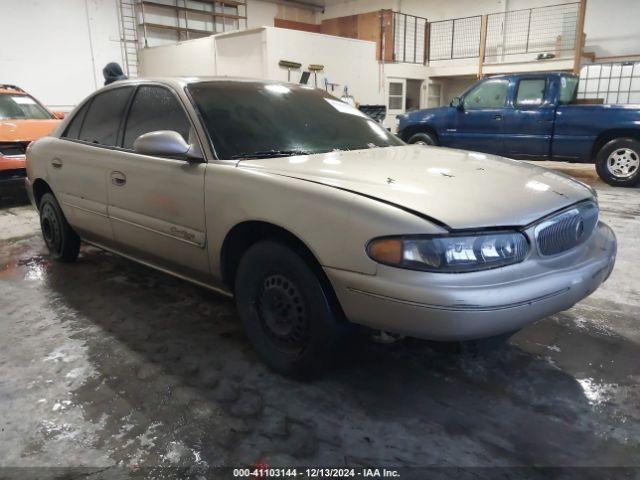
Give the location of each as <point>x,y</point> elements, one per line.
<point>181,82</point>
<point>11,89</point>
<point>533,74</point>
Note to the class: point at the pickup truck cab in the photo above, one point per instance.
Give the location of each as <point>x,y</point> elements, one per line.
<point>534,116</point>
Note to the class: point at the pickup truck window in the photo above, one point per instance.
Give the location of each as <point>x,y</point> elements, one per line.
<point>531,92</point>
<point>488,94</point>
<point>568,87</point>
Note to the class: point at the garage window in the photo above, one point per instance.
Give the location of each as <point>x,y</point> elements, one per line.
<point>531,92</point>
<point>102,121</point>
<point>155,108</point>
<point>396,96</point>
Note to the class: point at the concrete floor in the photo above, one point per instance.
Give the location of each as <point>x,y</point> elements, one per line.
<point>107,363</point>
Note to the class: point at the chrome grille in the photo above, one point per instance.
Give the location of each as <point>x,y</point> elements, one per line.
<point>567,229</point>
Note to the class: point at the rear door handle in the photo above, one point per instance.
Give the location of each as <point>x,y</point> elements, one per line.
<point>118,178</point>
<point>497,117</point>
<point>56,163</point>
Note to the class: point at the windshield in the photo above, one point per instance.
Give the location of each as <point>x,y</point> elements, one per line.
<point>253,119</point>
<point>22,107</point>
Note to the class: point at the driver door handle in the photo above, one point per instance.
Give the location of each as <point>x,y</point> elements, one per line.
<point>118,178</point>
<point>497,116</point>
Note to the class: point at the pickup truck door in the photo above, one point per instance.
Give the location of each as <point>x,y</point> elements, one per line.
<point>478,125</point>
<point>156,204</point>
<point>528,126</point>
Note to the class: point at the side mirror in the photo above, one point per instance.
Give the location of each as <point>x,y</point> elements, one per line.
<point>166,143</point>
<point>457,103</point>
<point>59,115</point>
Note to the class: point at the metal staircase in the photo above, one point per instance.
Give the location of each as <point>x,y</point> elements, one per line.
<point>129,36</point>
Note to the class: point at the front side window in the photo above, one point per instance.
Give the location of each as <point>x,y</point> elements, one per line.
<point>102,120</point>
<point>488,94</point>
<point>245,118</point>
<point>22,107</point>
<point>531,92</point>
<point>155,108</point>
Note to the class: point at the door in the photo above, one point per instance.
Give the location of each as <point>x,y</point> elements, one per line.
<point>478,123</point>
<point>156,205</point>
<point>78,170</point>
<point>397,98</point>
<point>528,126</point>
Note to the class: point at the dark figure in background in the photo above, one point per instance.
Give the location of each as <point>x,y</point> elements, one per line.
<point>112,73</point>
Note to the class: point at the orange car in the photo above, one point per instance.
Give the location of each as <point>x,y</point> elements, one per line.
<point>22,120</point>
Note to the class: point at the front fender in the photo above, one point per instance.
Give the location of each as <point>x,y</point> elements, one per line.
<point>336,225</point>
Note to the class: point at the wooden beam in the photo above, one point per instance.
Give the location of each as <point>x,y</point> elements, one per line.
<point>579,38</point>
<point>178,8</point>
<point>178,29</point>
<point>483,43</point>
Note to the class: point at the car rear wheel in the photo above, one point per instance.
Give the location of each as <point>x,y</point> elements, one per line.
<point>423,139</point>
<point>286,311</point>
<point>63,243</point>
<point>618,162</point>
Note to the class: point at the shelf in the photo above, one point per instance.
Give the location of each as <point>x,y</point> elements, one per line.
<point>209,13</point>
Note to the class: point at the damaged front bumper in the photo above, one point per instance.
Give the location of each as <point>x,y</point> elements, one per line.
<point>466,306</point>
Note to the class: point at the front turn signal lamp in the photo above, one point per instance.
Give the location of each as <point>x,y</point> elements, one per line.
<point>450,253</point>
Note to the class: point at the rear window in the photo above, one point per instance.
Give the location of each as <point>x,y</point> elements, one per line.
<point>102,121</point>
<point>73,130</point>
<point>568,86</point>
<point>22,107</point>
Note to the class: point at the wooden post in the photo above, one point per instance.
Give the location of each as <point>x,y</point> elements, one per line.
<point>579,38</point>
<point>483,43</point>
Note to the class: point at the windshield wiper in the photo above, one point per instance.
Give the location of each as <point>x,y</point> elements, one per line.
<point>271,154</point>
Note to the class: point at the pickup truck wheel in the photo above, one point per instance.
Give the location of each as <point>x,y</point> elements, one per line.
<point>63,243</point>
<point>423,139</point>
<point>618,162</point>
<point>285,311</point>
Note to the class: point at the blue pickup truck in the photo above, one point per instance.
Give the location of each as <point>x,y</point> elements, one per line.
<point>534,116</point>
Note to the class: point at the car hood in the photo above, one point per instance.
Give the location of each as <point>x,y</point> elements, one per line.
<point>25,130</point>
<point>458,188</point>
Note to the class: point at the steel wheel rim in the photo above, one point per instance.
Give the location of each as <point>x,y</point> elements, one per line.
<point>282,314</point>
<point>623,163</point>
<point>51,231</point>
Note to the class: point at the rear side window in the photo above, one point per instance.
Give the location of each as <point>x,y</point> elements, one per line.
<point>488,94</point>
<point>73,130</point>
<point>155,108</point>
<point>531,92</point>
<point>102,120</point>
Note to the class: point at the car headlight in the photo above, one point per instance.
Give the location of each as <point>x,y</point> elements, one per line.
<point>450,253</point>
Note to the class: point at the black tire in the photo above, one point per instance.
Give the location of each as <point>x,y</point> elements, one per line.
<point>423,138</point>
<point>286,312</point>
<point>618,162</point>
<point>63,243</point>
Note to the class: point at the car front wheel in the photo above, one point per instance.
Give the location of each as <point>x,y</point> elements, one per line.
<point>286,312</point>
<point>63,243</point>
<point>423,139</point>
<point>618,162</point>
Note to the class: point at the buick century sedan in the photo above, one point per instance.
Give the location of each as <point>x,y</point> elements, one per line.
<point>313,216</point>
